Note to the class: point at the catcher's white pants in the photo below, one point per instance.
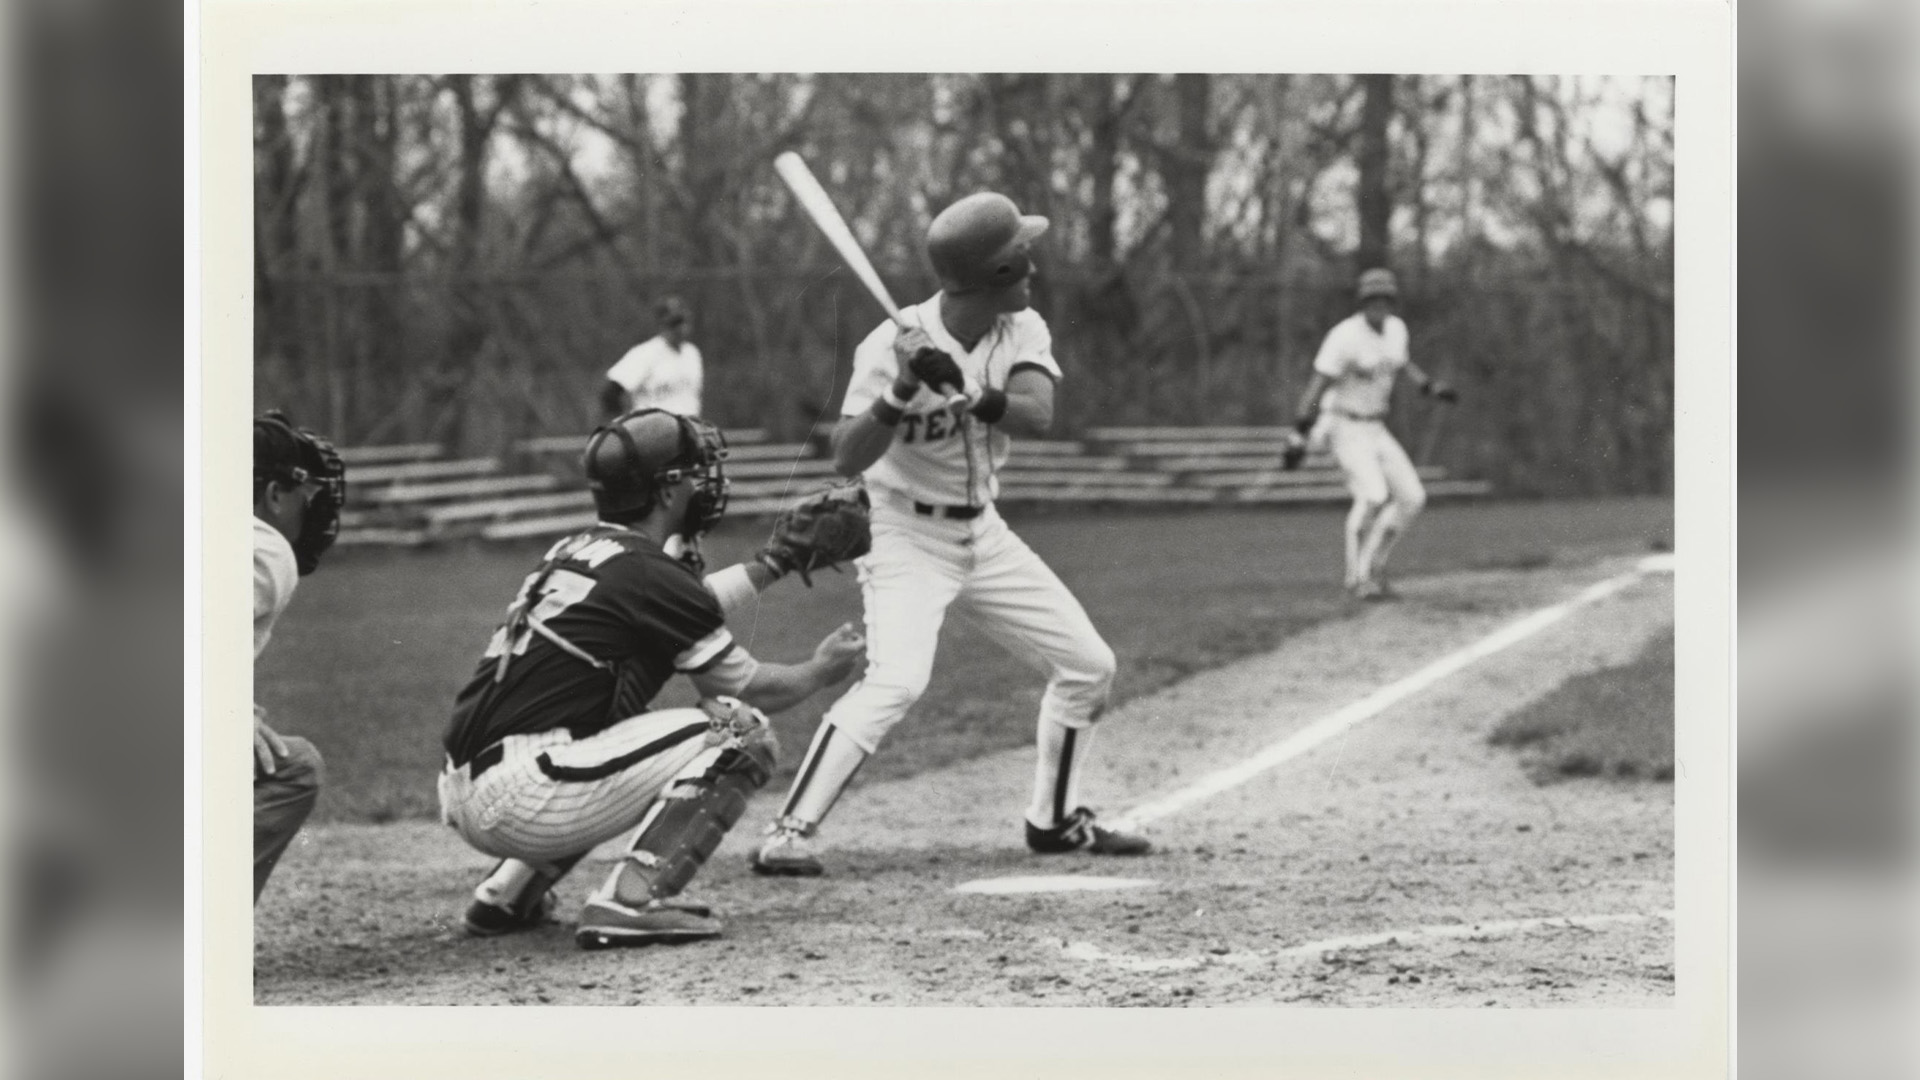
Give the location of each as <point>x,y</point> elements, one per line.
<point>921,566</point>
<point>586,791</point>
<point>1386,488</point>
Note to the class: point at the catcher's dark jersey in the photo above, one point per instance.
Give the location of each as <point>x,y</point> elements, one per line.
<point>613,595</point>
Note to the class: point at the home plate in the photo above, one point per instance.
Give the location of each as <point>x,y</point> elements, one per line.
<point>1051,883</point>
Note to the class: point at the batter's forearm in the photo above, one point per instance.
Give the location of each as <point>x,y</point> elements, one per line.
<point>859,442</point>
<point>1027,416</point>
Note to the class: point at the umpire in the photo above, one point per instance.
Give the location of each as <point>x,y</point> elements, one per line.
<point>299,484</point>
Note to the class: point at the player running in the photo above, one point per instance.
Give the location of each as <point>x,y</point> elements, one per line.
<point>551,751</point>
<point>938,541</point>
<point>299,484</point>
<point>1345,407</point>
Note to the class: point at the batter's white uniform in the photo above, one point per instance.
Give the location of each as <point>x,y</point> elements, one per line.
<point>656,375</point>
<point>929,555</point>
<point>1363,363</point>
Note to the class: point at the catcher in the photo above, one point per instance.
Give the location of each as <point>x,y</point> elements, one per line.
<point>551,751</point>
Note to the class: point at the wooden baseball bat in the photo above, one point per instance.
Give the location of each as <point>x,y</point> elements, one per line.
<point>826,217</point>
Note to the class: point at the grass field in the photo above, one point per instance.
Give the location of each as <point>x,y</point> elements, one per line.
<point>367,659</point>
<point>1613,722</point>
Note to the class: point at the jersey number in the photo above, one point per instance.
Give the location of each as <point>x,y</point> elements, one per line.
<point>563,590</point>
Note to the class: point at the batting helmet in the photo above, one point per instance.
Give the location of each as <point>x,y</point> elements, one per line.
<point>630,460</point>
<point>1378,282</point>
<point>295,457</point>
<point>981,243</point>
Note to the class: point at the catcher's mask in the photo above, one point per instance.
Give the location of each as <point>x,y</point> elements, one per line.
<point>296,457</point>
<point>631,461</point>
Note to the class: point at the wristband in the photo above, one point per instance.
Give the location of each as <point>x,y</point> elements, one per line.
<point>901,393</point>
<point>991,406</point>
<point>732,587</point>
<point>886,413</point>
<point>773,566</point>
<point>1304,425</point>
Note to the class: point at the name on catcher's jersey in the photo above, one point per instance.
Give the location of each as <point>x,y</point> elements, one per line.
<point>614,595</point>
<point>1362,362</point>
<point>937,458</point>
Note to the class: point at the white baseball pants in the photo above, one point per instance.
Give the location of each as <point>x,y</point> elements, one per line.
<point>1386,488</point>
<point>584,793</point>
<point>920,567</point>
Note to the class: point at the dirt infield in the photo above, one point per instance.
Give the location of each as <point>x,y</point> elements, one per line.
<point>1276,891</point>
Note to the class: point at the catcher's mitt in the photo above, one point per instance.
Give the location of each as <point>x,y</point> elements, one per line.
<point>828,528</point>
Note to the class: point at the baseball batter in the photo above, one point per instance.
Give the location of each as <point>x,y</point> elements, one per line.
<point>938,542</point>
<point>299,484</point>
<point>551,751</point>
<point>1345,409</point>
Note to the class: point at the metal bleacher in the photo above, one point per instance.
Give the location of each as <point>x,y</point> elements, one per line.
<point>415,494</point>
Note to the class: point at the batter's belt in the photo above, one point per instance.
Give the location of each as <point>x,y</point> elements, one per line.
<point>903,504</point>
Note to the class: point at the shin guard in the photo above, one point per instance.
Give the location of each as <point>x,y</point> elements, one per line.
<point>695,812</point>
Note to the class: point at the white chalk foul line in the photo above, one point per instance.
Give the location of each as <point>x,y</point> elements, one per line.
<point>1091,953</point>
<point>1381,700</point>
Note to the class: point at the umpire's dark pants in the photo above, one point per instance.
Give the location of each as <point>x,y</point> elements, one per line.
<point>281,803</point>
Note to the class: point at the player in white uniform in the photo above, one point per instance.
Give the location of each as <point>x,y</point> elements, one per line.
<point>662,372</point>
<point>1345,408</point>
<point>299,483</point>
<point>938,542</point>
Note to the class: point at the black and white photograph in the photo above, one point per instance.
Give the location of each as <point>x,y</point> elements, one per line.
<point>1045,539</point>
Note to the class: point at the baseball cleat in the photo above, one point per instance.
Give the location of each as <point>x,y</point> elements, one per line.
<point>606,923</point>
<point>1079,833</point>
<point>1376,589</point>
<point>485,920</point>
<point>786,853</point>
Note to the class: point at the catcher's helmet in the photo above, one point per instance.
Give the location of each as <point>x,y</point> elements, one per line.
<point>295,457</point>
<point>630,460</point>
<point>1378,283</point>
<point>981,243</point>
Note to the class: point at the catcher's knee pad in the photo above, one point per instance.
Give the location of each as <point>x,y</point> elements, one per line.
<point>697,809</point>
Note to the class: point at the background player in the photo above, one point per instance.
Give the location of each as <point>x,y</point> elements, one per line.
<point>551,751</point>
<point>937,539</point>
<point>299,484</point>
<point>663,372</point>
<point>1345,407</point>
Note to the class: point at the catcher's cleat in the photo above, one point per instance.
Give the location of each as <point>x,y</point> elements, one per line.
<point>606,923</point>
<point>484,920</point>
<point>787,852</point>
<point>1079,833</point>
